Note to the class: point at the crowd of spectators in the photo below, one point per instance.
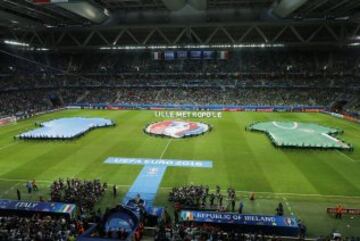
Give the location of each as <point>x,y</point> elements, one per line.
<point>199,197</point>
<point>24,102</point>
<point>21,103</point>
<point>83,193</point>
<point>246,61</point>
<point>203,232</point>
<point>199,232</point>
<point>37,82</point>
<point>39,228</point>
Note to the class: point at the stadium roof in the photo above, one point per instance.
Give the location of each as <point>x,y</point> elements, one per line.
<point>64,12</point>
<point>98,23</point>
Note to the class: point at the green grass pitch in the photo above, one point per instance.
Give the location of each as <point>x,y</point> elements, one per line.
<point>306,181</point>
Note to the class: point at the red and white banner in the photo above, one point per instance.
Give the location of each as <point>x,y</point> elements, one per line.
<point>7,120</point>
<point>177,129</point>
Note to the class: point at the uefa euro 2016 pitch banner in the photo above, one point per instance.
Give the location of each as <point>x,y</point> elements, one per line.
<point>177,129</point>
<point>302,135</point>
<point>65,128</point>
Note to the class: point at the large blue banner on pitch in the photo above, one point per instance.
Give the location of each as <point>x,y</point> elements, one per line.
<point>65,128</point>
<point>241,219</point>
<point>146,184</point>
<point>40,207</point>
<point>159,162</point>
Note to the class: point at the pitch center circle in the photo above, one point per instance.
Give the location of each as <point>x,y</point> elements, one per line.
<point>177,128</point>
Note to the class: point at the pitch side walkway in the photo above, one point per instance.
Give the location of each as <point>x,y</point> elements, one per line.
<point>146,184</point>
<point>148,181</point>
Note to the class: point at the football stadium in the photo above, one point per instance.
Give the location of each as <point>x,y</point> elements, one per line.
<point>179,120</point>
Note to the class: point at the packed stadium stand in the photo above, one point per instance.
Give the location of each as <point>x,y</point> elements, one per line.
<point>258,77</point>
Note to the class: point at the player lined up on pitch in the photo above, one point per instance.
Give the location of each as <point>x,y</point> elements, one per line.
<point>81,192</point>
<point>201,197</point>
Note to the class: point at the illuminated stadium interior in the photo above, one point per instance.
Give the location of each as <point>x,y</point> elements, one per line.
<point>171,120</point>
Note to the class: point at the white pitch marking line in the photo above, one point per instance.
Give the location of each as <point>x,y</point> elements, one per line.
<point>22,180</point>
<point>8,145</point>
<point>165,149</point>
<point>212,190</point>
<point>347,157</point>
<point>11,188</point>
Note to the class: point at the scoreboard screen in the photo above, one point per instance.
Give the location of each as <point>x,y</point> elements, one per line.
<point>169,55</point>
<point>181,54</point>
<point>195,54</point>
<point>208,54</point>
